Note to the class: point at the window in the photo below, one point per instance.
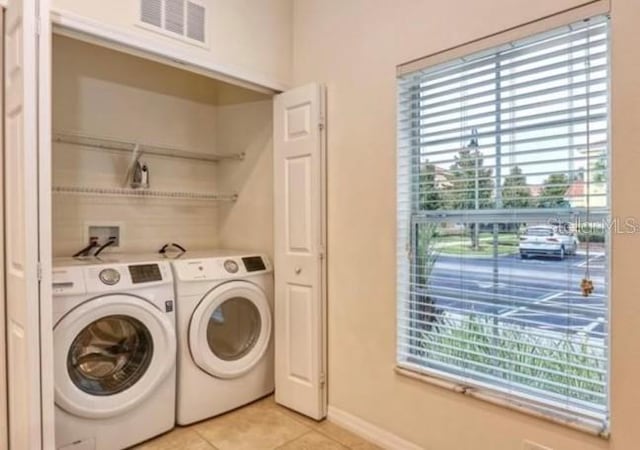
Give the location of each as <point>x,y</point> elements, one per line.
<point>504,223</point>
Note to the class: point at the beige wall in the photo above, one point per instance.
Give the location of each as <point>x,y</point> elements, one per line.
<point>354,46</point>
<point>245,125</point>
<point>106,93</point>
<point>253,35</point>
<point>4,425</point>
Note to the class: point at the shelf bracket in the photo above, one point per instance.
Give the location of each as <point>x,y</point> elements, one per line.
<point>135,157</point>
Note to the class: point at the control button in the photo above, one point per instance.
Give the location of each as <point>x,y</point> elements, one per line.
<point>109,276</point>
<point>231,266</point>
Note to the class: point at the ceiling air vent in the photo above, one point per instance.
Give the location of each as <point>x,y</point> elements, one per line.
<point>174,16</point>
<point>151,12</point>
<point>183,19</point>
<point>195,21</point>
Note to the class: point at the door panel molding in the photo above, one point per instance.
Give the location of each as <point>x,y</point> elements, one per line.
<point>299,246</point>
<point>27,225</point>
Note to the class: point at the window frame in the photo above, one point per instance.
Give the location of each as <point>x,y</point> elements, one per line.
<point>407,244</point>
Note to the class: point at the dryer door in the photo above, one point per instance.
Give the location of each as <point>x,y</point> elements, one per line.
<point>111,353</point>
<point>230,329</point>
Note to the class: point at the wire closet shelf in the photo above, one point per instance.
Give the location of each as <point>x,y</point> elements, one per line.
<point>137,149</point>
<point>143,193</point>
<point>107,143</point>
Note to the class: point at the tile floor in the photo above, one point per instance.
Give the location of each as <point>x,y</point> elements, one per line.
<point>263,425</point>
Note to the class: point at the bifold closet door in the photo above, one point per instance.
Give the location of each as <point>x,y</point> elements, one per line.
<point>299,253</point>
<point>24,371</point>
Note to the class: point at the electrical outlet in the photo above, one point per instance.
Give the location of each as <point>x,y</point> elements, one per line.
<point>529,445</point>
<point>102,232</point>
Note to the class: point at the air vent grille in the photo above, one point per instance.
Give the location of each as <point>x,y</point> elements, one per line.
<point>178,18</point>
<point>195,21</point>
<point>151,12</point>
<point>174,16</point>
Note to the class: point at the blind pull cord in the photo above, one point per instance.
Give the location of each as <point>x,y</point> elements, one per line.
<point>586,285</point>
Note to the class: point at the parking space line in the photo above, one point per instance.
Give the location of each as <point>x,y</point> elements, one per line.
<point>592,326</point>
<point>537,302</point>
<point>591,260</point>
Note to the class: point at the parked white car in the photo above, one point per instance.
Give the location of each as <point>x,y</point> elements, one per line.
<point>548,240</point>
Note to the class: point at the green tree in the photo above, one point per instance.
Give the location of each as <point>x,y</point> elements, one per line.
<point>424,305</point>
<point>470,185</point>
<point>553,191</point>
<point>429,195</point>
<point>515,191</point>
<point>469,181</point>
<point>600,170</point>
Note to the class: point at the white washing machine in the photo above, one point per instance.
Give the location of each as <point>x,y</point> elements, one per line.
<point>224,304</point>
<point>114,350</point>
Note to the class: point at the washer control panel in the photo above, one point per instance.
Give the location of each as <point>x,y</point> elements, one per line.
<point>68,281</point>
<point>86,278</point>
<point>145,273</point>
<point>231,266</point>
<point>109,276</point>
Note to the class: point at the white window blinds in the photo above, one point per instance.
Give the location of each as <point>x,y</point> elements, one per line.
<point>503,222</point>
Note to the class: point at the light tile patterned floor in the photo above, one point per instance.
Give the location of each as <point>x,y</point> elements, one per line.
<point>263,425</point>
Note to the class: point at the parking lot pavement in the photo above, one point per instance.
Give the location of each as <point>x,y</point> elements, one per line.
<point>540,292</point>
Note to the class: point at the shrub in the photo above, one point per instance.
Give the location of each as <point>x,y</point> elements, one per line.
<point>597,236</point>
<point>564,365</point>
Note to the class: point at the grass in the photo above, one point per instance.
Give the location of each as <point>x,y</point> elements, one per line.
<point>569,366</point>
<point>466,250</point>
<point>461,245</point>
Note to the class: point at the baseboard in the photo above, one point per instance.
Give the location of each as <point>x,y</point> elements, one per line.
<point>369,431</point>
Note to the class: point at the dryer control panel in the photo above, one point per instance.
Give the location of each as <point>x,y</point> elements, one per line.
<point>221,268</point>
<point>254,263</point>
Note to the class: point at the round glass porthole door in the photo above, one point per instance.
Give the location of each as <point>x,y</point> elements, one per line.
<point>230,329</point>
<point>110,355</point>
<point>234,328</point>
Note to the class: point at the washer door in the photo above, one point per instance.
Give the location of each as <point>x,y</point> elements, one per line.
<point>230,329</point>
<point>111,353</point>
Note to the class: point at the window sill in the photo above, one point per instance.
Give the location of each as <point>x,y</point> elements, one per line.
<point>583,425</point>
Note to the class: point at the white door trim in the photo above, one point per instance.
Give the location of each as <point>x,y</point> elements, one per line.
<point>4,424</point>
<point>45,224</point>
<point>184,57</point>
<point>30,397</point>
<point>369,431</point>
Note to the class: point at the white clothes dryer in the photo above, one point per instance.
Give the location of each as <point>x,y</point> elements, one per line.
<point>224,305</point>
<point>114,352</point>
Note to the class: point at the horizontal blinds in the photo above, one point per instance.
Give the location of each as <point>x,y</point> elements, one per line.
<point>503,210</point>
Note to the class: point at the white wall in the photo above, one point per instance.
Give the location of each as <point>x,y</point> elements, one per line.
<point>102,92</point>
<point>252,35</point>
<point>354,47</point>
